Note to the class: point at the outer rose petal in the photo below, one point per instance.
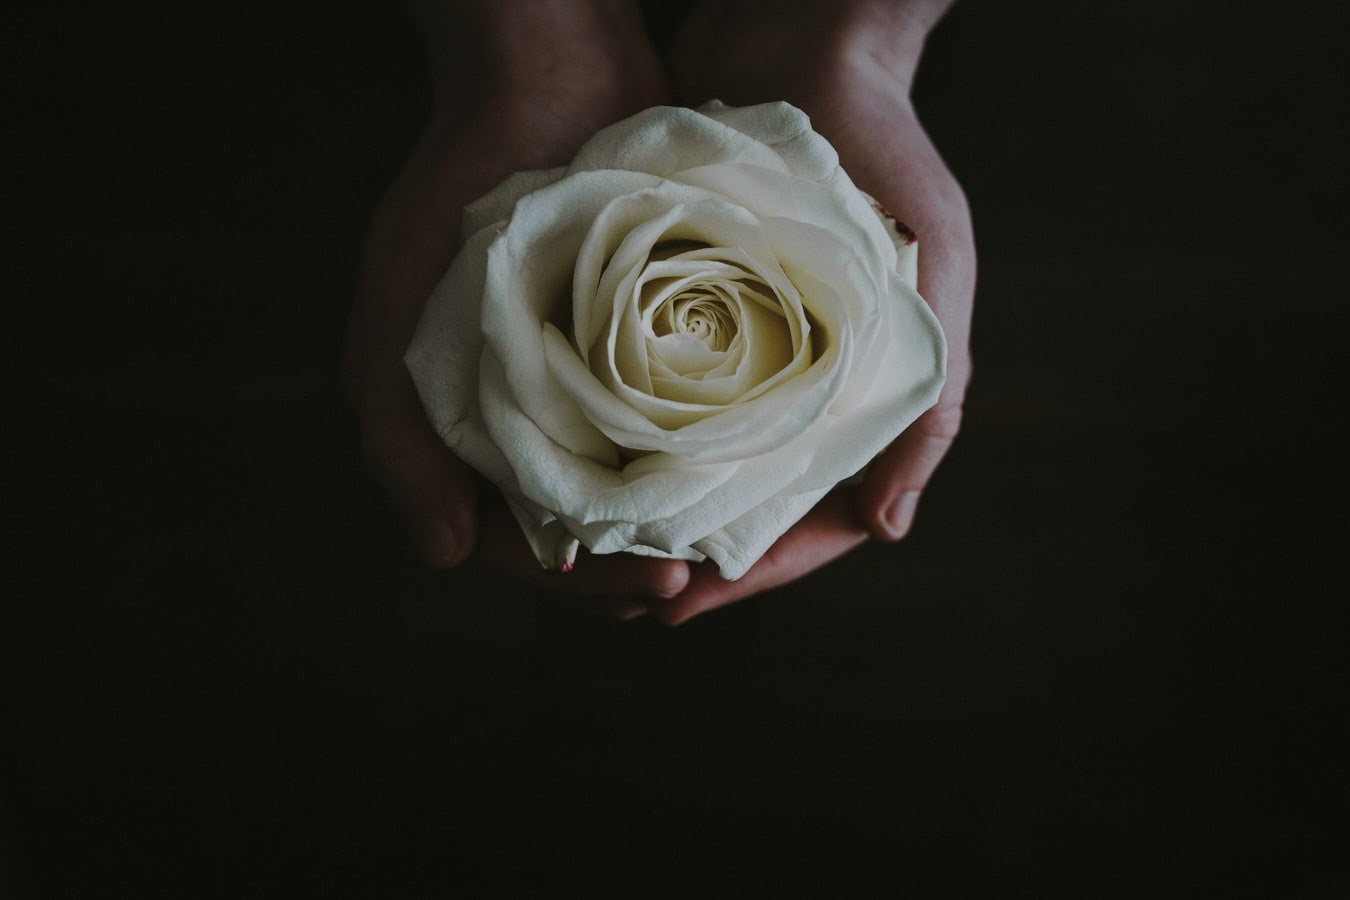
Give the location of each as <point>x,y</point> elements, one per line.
<point>664,140</point>
<point>739,545</point>
<point>786,130</point>
<point>444,353</point>
<point>494,208</point>
<point>528,279</point>
<point>905,241</point>
<point>554,546</point>
<point>836,206</point>
<point>443,360</point>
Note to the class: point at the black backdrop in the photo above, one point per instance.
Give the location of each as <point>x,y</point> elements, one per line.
<point>1105,662</point>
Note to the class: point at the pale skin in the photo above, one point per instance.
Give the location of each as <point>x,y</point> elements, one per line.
<point>542,80</point>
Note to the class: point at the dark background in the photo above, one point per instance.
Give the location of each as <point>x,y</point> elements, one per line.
<point>1107,660</point>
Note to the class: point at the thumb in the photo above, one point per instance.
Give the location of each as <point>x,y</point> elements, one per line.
<point>434,490</point>
<point>889,495</point>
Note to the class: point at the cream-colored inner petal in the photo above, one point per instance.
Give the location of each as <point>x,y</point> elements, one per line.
<point>701,317</point>
<point>699,329</point>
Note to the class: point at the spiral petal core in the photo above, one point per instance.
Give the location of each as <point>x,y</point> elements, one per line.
<point>676,345</point>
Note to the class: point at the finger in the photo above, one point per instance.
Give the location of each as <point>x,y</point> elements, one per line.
<point>433,489</point>
<point>827,532</point>
<point>616,575</point>
<point>411,241</point>
<point>625,609</point>
<point>888,499</point>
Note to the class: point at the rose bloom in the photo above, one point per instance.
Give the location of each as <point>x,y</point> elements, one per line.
<point>676,345</point>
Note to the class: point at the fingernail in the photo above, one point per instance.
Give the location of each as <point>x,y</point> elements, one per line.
<point>438,542</point>
<point>899,516</point>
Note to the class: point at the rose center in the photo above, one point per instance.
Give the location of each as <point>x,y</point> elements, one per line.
<point>700,313</point>
<point>691,326</point>
<point>702,328</point>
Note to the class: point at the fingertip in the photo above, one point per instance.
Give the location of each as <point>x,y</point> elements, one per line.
<point>669,579</point>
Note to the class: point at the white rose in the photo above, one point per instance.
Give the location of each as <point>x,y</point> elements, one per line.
<point>677,344</point>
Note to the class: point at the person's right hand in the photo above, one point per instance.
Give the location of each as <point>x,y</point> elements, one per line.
<point>518,88</point>
<point>848,65</point>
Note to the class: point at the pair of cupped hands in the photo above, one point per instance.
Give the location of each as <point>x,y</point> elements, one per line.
<point>523,85</point>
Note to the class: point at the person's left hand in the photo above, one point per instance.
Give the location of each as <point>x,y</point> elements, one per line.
<point>512,92</point>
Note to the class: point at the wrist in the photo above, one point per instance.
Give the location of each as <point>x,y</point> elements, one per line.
<point>748,51</point>
<point>488,44</point>
<point>505,71</point>
<point>527,82</point>
<point>888,33</point>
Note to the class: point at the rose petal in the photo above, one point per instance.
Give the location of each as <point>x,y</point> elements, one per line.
<point>666,139</point>
<point>738,545</point>
<point>766,346</point>
<point>580,490</point>
<point>610,229</point>
<point>786,130</point>
<point>836,206</point>
<point>529,273</point>
<point>838,289</point>
<point>905,241</point>
<point>443,360</point>
<point>553,545</point>
<point>494,207</point>
<point>765,283</point>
